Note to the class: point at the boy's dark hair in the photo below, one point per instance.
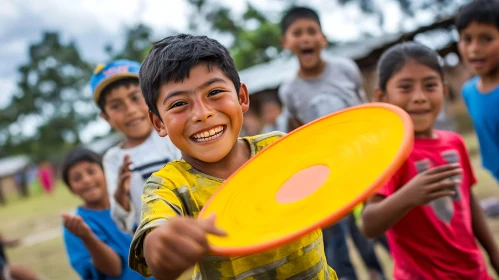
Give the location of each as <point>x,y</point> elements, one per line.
<point>296,13</point>
<point>76,156</point>
<point>125,82</point>
<point>171,59</point>
<point>479,11</point>
<point>397,56</point>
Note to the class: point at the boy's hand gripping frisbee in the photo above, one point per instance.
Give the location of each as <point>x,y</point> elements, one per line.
<point>309,179</point>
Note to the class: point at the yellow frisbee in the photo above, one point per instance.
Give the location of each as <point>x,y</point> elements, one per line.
<point>309,179</point>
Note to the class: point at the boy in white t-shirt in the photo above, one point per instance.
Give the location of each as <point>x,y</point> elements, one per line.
<point>127,166</point>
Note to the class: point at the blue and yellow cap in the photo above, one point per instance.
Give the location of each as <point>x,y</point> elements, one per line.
<point>104,74</point>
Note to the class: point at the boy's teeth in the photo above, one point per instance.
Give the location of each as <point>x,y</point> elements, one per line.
<point>208,135</point>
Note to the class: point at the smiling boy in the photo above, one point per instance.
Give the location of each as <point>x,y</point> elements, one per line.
<point>193,91</point>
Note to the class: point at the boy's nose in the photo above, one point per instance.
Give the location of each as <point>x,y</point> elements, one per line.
<point>419,96</point>
<point>474,47</point>
<point>201,112</point>
<point>131,108</point>
<point>86,179</point>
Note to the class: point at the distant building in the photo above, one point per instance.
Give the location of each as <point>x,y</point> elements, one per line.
<point>101,145</point>
<point>264,79</point>
<point>9,168</point>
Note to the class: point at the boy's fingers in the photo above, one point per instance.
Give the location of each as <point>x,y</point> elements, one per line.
<point>196,233</point>
<point>126,164</point>
<point>445,174</point>
<point>442,193</point>
<point>125,176</point>
<point>189,249</point>
<point>443,185</point>
<point>209,226</point>
<point>443,168</point>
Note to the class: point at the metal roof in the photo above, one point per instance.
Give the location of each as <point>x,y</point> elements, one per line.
<point>270,75</point>
<point>10,165</point>
<point>101,145</point>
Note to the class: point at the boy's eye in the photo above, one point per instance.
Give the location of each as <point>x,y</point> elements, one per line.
<point>214,92</point>
<point>115,106</point>
<point>297,33</point>
<point>404,87</point>
<point>177,104</point>
<point>136,98</point>
<point>90,171</point>
<point>466,39</point>
<point>76,178</point>
<point>486,39</point>
<point>312,31</point>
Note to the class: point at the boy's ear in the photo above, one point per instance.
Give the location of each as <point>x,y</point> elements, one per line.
<point>158,124</point>
<point>324,42</point>
<point>379,96</point>
<point>106,117</point>
<point>446,90</point>
<point>284,43</point>
<point>244,98</point>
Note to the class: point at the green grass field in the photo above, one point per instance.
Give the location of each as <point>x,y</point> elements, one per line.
<point>37,222</point>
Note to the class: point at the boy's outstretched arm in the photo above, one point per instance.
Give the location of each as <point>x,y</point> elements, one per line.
<point>104,258</point>
<point>177,245</point>
<point>483,233</point>
<point>381,213</point>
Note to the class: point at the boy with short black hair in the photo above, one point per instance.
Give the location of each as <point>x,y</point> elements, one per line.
<point>96,248</point>
<point>193,91</point>
<point>127,165</point>
<point>478,26</point>
<point>319,88</point>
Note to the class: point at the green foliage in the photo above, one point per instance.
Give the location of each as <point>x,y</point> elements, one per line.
<point>51,106</point>
<point>137,44</point>
<point>50,97</point>
<point>256,38</point>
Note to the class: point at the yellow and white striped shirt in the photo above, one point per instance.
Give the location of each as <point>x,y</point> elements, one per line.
<point>178,189</point>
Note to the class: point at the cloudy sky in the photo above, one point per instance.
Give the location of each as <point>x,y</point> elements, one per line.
<point>93,23</point>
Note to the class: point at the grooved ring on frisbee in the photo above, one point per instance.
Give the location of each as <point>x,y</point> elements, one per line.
<point>309,179</point>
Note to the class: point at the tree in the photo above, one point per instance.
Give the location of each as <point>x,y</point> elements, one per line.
<point>137,44</point>
<point>255,36</point>
<point>50,106</point>
<point>439,8</point>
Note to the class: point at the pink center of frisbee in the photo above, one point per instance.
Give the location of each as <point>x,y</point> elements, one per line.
<point>302,184</point>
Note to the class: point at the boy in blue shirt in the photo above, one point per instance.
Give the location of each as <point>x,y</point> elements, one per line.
<point>478,26</point>
<point>96,248</point>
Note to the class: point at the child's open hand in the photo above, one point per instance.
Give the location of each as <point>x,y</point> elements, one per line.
<point>124,175</point>
<point>77,226</point>
<point>177,245</point>
<point>123,190</point>
<point>9,242</point>
<point>432,184</point>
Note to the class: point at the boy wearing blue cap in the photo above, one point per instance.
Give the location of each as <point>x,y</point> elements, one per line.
<point>127,165</point>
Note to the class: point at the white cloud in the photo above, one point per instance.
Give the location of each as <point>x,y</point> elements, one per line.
<point>94,23</point>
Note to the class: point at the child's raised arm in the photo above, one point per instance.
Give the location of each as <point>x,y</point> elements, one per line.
<point>104,258</point>
<point>382,213</point>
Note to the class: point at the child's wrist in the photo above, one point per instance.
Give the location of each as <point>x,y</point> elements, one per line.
<point>88,238</point>
<point>405,200</point>
<point>123,200</point>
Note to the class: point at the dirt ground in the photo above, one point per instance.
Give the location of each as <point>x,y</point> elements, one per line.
<point>36,221</point>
